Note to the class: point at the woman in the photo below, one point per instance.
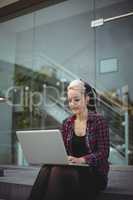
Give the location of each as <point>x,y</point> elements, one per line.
<point>86,138</point>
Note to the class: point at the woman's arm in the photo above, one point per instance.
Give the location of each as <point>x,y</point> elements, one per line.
<point>64,131</point>
<point>102,137</point>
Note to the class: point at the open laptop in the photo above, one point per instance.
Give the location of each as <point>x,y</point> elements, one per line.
<point>44,147</point>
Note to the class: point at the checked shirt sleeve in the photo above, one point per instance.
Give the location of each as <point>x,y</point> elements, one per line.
<point>64,132</point>
<point>102,141</point>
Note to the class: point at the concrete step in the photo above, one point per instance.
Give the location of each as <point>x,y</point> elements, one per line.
<point>17,183</point>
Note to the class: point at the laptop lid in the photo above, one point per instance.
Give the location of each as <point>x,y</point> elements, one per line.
<point>43,147</point>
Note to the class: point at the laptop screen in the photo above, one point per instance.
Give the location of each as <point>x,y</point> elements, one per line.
<point>43,146</point>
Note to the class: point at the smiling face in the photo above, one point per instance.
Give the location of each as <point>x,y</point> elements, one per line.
<point>77,101</point>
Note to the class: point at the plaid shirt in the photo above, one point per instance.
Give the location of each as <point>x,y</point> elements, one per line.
<point>96,140</point>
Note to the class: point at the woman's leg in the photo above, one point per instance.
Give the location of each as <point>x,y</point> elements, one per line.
<point>40,186</point>
<point>91,183</point>
<point>63,183</point>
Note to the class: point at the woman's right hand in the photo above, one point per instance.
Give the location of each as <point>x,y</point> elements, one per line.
<point>72,159</point>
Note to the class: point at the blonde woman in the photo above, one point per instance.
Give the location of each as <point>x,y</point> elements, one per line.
<point>86,139</point>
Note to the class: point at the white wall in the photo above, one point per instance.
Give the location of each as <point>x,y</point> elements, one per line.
<point>7,60</point>
<point>5,133</point>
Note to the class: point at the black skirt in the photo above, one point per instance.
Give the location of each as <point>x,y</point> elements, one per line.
<point>57,182</point>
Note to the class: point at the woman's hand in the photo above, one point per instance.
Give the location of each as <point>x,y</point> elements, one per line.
<point>73,159</point>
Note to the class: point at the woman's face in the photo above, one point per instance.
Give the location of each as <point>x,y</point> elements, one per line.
<point>77,101</point>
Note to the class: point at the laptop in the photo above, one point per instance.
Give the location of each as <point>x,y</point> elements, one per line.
<point>44,147</point>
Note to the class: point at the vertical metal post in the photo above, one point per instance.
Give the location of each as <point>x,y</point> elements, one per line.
<point>126,137</point>
<point>19,155</point>
<point>44,104</point>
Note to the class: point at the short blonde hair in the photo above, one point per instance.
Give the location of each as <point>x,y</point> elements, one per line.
<point>85,89</point>
<point>76,85</point>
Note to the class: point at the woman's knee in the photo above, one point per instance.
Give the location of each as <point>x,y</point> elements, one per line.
<point>44,172</point>
<point>64,171</point>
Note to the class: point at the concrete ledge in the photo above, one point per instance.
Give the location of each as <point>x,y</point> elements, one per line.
<point>17,182</point>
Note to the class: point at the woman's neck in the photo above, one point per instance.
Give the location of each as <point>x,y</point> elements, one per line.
<point>82,116</point>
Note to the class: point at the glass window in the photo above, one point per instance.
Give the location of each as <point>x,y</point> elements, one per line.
<point>114,70</point>
<point>42,51</point>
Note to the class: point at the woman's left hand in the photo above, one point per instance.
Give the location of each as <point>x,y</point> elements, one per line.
<point>73,159</point>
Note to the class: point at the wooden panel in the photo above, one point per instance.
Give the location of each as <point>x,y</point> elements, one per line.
<point>23,7</point>
<point>18,6</point>
<point>4,3</point>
